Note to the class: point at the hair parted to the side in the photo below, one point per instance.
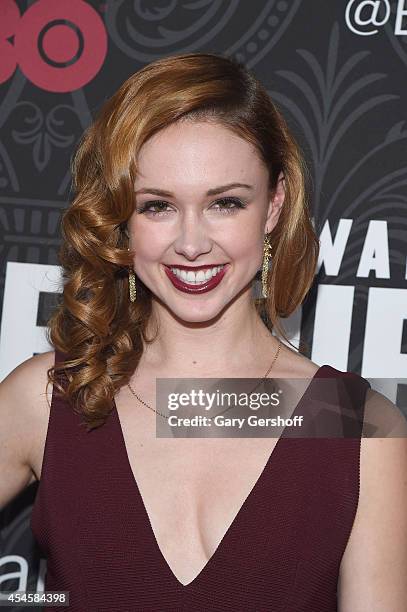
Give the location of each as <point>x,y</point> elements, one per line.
<point>95,325</point>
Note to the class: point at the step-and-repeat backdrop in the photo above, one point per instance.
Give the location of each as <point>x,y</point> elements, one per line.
<point>337,71</point>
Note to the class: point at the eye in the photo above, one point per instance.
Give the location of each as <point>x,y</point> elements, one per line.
<point>148,206</point>
<point>224,202</point>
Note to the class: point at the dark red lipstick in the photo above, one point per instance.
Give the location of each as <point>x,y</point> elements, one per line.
<point>194,289</point>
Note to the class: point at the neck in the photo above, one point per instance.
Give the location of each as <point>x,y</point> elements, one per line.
<point>237,338</point>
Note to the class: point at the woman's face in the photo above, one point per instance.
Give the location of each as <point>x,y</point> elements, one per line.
<point>180,222</point>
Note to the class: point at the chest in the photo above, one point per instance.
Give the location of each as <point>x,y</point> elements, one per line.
<point>191,490</point>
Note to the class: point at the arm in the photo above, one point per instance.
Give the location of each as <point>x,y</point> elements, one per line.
<point>24,412</point>
<point>373,572</point>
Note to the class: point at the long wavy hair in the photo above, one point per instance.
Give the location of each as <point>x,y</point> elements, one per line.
<point>96,327</point>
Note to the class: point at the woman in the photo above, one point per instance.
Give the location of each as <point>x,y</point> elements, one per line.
<point>190,166</point>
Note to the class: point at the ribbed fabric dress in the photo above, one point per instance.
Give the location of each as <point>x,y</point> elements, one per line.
<point>281,553</point>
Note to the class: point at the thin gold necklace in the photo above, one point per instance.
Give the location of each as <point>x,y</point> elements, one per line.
<point>165,416</point>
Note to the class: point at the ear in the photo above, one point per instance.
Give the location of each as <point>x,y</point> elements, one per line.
<point>275,204</point>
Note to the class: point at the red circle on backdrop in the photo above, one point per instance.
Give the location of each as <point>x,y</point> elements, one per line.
<point>60,43</point>
<point>8,60</point>
<point>68,78</point>
<point>9,18</point>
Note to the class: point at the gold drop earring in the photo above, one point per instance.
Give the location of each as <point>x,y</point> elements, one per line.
<point>132,285</point>
<point>266,258</point>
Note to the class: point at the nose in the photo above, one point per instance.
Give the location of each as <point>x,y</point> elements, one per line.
<point>192,239</point>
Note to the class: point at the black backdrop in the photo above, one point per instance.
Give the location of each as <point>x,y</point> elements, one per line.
<point>337,71</point>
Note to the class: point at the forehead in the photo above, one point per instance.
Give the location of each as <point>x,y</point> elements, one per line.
<point>199,152</point>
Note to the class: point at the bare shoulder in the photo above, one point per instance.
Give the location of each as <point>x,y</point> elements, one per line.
<point>25,404</point>
<point>28,381</point>
<point>382,418</point>
<point>374,564</point>
<point>295,365</point>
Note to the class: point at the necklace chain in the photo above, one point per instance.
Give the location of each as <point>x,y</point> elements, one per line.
<point>165,416</point>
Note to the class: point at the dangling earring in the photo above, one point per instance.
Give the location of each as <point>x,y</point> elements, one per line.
<point>132,285</point>
<point>264,272</point>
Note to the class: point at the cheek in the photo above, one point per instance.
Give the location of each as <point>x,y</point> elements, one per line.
<point>247,252</point>
<point>148,245</point>
<point>242,245</point>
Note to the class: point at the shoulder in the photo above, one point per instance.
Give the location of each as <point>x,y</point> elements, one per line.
<point>28,379</point>
<point>374,564</point>
<point>297,365</point>
<point>25,402</point>
<point>293,364</point>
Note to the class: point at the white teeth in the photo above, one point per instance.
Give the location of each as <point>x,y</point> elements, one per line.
<point>196,278</point>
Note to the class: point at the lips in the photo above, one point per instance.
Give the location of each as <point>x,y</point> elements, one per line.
<point>194,268</point>
<point>202,288</point>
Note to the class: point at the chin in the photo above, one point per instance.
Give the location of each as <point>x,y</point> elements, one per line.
<point>200,314</point>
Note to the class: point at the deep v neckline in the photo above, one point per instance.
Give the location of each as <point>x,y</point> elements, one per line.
<point>238,516</point>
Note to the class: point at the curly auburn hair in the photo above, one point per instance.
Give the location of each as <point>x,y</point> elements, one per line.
<point>95,326</point>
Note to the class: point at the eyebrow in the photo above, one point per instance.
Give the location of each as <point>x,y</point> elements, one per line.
<point>210,192</point>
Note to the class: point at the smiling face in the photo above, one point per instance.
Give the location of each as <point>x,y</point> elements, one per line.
<point>201,199</point>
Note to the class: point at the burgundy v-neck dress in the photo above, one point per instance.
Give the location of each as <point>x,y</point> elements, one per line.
<point>282,551</point>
